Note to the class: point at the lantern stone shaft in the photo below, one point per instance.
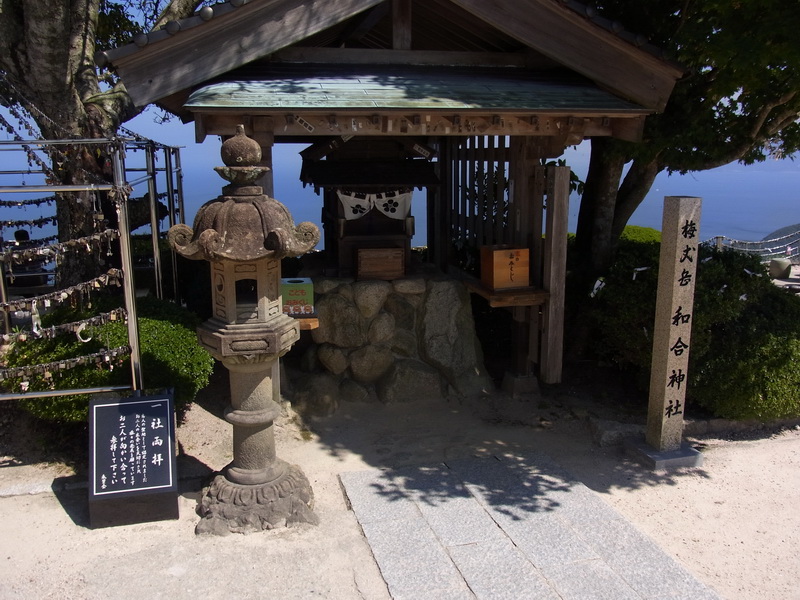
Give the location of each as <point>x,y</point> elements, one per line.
<point>244,234</point>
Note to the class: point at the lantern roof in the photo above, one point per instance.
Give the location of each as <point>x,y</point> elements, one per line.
<point>243,224</point>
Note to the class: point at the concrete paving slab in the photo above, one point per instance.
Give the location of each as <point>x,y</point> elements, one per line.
<point>514,526</point>
<point>377,495</point>
<point>413,563</point>
<point>646,568</point>
<point>497,570</point>
<point>460,520</point>
<point>588,580</point>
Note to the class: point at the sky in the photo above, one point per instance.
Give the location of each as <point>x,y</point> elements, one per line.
<point>739,202</point>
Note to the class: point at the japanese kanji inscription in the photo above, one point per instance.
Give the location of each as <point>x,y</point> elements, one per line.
<point>132,446</point>
<point>673,321</point>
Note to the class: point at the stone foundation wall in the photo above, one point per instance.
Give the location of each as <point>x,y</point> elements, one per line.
<point>390,341</point>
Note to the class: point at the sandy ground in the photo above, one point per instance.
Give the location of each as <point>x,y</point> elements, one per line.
<point>734,522</point>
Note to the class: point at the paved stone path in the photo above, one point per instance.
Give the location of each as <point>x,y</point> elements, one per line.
<point>510,527</point>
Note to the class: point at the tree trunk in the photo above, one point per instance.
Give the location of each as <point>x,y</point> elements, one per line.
<point>635,187</point>
<point>594,241</point>
<point>47,66</point>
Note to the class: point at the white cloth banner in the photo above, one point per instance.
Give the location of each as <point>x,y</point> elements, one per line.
<point>395,205</point>
<point>355,205</point>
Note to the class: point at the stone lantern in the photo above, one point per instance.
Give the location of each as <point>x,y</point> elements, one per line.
<point>244,234</point>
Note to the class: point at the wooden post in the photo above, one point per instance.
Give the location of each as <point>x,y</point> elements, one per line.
<point>521,203</point>
<point>401,24</point>
<point>266,140</point>
<point>555,271</point>
<point>673,321</point>
<point>440,201</point>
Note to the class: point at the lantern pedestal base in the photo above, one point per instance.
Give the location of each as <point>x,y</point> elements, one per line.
<point>227,507</point>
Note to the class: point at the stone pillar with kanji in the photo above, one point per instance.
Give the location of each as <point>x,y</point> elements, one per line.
<point>669,376</point>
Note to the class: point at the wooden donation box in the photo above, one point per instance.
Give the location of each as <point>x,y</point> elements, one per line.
<point>381,263</point>
<point>504,267</point>
<point>132,468</point>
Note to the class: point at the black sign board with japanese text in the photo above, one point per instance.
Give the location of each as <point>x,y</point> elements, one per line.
<point>132,455</point>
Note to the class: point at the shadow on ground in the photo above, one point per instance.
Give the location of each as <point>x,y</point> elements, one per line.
<point>543,446</point>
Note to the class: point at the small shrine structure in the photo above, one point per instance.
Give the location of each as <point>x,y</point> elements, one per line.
<point>460,98</point>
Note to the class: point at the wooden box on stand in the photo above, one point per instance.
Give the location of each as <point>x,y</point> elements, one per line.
<point>505,267</point>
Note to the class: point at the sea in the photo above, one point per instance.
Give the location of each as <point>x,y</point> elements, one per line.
<point>740,202</point>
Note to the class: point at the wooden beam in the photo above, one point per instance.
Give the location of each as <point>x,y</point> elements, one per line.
<point>359,27</point>
<point>321,149</point>
<point>248,33</point>
<point>401,24</point>
<point>507,298</point>
<point>552,133</point>
<point>572,40</point>
<point>444,58</point>
<point>630,130</point>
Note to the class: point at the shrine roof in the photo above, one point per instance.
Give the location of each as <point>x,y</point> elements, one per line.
<point>167,65</point>
<point>299,87</point>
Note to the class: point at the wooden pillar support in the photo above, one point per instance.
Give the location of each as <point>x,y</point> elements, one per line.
<point>555,268</point>
<point>266,141</point>
<point>401,24</point>
<point>439,202</point>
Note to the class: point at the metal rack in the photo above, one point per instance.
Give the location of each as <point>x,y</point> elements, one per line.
<point>122,185</point>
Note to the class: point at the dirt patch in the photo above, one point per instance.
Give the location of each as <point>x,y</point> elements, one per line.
<point>733,522</point>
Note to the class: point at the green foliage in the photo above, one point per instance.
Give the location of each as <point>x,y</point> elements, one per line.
<point>170,355</point>
<point>741,94</point>
<point>634,233</point>
<point>115,25</point>
<point>576,184</point>
<point>745,344</point>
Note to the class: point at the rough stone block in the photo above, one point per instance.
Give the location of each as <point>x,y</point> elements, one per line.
<point>381,329</point>
<point>409,380</point>
<point>612,433</point>
<point>332,358</point>
<point>411,285</point>
<point>370,363</point>
<point>370,296</point>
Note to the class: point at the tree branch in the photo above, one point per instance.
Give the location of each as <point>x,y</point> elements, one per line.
<point>757,132</point>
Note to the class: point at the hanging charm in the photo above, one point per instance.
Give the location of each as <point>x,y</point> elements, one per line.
<point>78,332</point>
<point>36,320</point>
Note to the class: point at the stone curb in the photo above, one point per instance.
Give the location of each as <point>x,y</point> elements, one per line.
<point>606,433</point>
<point>188,482</point>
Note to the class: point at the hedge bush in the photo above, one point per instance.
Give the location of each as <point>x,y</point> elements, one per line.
<point>745,345</point>
<point>170,358</point>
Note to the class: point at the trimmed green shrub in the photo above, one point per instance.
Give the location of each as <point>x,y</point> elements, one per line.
<point>634,233</point>
<point>170,357</point>
<point>745,345</point>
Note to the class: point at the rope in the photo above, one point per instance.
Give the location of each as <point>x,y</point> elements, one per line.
<point>786,246</point>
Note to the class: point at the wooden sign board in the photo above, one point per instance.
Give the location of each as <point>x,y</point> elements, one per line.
<point>132,460</point>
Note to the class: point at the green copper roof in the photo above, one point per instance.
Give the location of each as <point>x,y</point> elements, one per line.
<point>370,88</point>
